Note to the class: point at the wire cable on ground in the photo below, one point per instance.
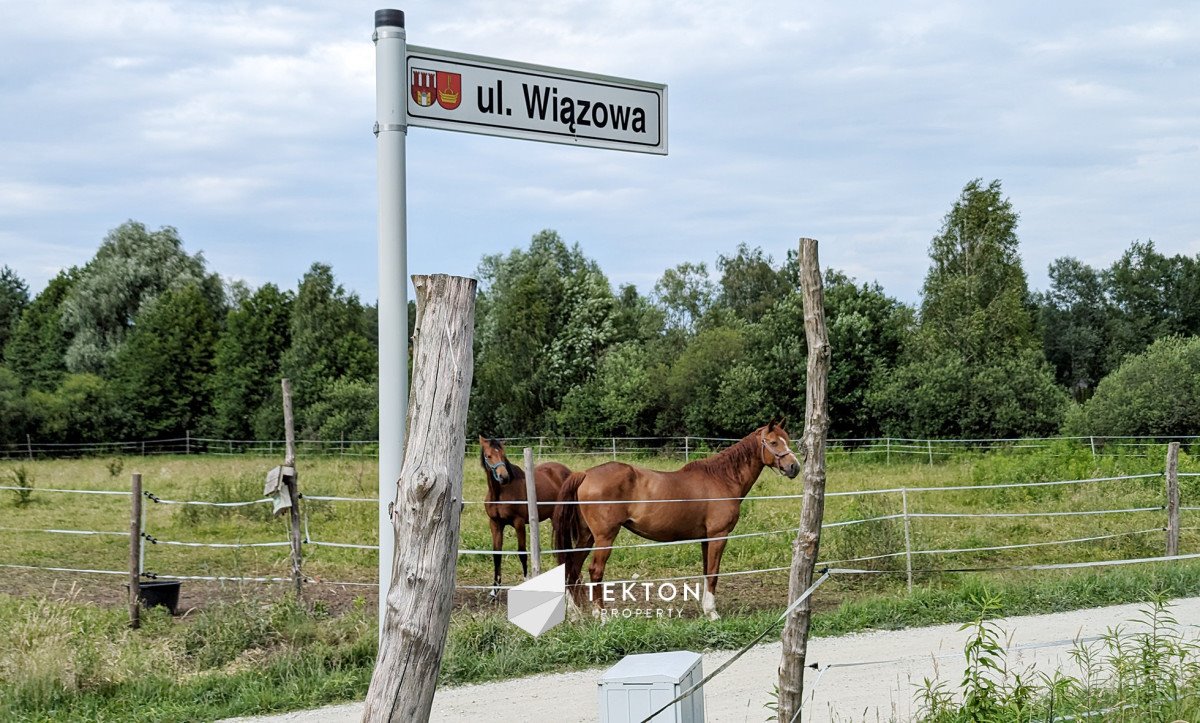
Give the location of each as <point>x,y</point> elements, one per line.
<point>766,631</point>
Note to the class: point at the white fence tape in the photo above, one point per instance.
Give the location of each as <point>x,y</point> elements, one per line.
<point>77,492</point>
<point>64,532</point>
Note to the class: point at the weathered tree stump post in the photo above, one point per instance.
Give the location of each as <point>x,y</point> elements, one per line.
<point>531,499</point>
<point>293,485</point>
<point>425,516</point>
<point>1172,474</point>
<point>907,538</point>
<point>135,552</point>
<point>808,539</point>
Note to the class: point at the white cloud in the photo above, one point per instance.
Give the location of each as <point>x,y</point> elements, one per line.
<point>857,124</point>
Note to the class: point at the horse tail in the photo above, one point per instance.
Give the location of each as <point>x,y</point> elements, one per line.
<point>569,526</point>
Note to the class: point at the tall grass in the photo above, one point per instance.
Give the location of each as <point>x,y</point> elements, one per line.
<point>66,660</point>
<point>61,658</point>
<point>1146,669</point>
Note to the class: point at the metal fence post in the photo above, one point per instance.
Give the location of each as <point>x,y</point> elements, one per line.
<point>930,443</point>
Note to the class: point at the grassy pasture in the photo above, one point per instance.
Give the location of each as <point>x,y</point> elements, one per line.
<point>65,653</point>
<point>237,478</point>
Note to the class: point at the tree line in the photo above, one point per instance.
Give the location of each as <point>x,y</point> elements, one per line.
<point>144,341</point>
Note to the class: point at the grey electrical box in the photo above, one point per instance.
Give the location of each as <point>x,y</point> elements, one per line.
<point>641,684</point>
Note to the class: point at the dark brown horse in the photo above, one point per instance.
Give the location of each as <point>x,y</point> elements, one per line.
<point>717,485</point>
<point>506,502</point>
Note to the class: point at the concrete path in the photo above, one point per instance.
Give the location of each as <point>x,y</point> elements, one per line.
<point>871,676</point>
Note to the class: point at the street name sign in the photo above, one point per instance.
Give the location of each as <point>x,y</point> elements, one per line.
<point>470,93</point>
<point>474,94</point>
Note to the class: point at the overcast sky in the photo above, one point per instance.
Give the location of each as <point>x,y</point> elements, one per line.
<point>247,126</point>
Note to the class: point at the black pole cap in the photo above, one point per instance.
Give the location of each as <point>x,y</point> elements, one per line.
<point>389,18</point>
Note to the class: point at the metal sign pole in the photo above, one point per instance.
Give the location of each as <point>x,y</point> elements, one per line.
<point>391,128</point>
<point>615,113</point>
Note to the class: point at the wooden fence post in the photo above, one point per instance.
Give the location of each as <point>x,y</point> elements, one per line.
<point>535,539</point>
<point>425,516</point>
<point>907,537</point>
<point>1092,439</point>
<point>135,552</point>
<point>29,446</point>
<point>187,441</point>
<point>293,487</point>
<point>930,443</point>
<point>1172,499</point>
<point>816,427</point>
<point>889,450</point>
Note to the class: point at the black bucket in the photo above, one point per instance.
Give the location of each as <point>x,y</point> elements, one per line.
<point>164,593</point>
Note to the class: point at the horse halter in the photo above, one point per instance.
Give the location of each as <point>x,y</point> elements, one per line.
<point>777,455</point>
<point>493,468</point>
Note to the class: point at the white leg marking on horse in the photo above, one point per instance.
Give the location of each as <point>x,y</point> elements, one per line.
<point>709,603</point>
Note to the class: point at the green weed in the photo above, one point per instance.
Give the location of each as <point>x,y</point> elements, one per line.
<point>23,480</point>
<point>1150,675</point>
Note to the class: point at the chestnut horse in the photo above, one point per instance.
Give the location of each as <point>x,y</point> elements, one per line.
<point>712,490</point>
<point>506,503</point>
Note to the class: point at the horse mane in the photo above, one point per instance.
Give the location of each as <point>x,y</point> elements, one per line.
<point>728,463</point>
